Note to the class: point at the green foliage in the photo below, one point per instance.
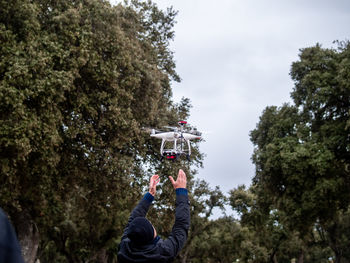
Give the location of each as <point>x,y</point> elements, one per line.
<point>79,80</point>
<point>218,241</point>
<point>302,151</point>
<point>268,236</point>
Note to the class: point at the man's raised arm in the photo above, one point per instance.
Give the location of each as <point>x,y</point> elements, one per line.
<point>142,207</point>
<point>179,232</point>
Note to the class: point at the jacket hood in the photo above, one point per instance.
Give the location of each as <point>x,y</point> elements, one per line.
<point>139,253</point>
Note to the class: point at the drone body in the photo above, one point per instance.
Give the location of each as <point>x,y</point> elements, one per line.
<point>180,139</point>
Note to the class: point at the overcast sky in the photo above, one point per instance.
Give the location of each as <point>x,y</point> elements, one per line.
<point>234,58</point>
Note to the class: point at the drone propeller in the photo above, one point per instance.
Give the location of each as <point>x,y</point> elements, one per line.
<point>151,130</point>
<point>171,128</point>
<point>195,132</point>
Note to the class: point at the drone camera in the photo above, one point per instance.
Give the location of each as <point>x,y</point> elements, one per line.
<point>170,155</point>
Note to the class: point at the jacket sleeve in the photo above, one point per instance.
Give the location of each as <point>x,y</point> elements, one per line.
<point>139,211</point>
<point>176,240</point>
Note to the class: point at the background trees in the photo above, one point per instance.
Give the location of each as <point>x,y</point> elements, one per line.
<point>79,81</point>
<point>302,150</point>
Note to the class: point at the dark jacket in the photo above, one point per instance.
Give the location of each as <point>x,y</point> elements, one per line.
<point>160,250</point>
<point>10,250</point>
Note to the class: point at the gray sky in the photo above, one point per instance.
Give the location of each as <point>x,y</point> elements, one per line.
<point>234,58</point>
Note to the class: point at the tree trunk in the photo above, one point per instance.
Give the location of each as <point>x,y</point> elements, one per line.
<point>184,259</point>
<point>28,236</point>
<point>301,257</point>
<point>339,257</point>
<point>100,256</point>
<point>183,256</point>
<point>273,257</point>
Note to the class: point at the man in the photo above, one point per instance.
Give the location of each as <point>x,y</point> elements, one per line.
<point>140,242</point>
<point>10,250</point>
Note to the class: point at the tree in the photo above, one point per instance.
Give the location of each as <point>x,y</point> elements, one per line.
<point>302,150</point>
<point>336,234</point>
<point>78,81</point>
<point>219,241</point>
<point>269,239</point>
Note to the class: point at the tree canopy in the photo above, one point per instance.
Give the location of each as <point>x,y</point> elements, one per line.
<point>79,80</point>
<point>302,150</point>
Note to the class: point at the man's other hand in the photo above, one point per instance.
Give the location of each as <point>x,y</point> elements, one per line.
<point>153,183</point>
<point>180,181</point>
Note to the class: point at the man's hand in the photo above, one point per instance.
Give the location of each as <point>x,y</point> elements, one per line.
<point>153,183</point>
<point>180,181</point>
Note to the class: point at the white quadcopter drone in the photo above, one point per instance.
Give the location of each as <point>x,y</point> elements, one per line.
<point>180,138</point>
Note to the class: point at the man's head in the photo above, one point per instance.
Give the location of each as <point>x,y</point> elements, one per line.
<point>141,231</point>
